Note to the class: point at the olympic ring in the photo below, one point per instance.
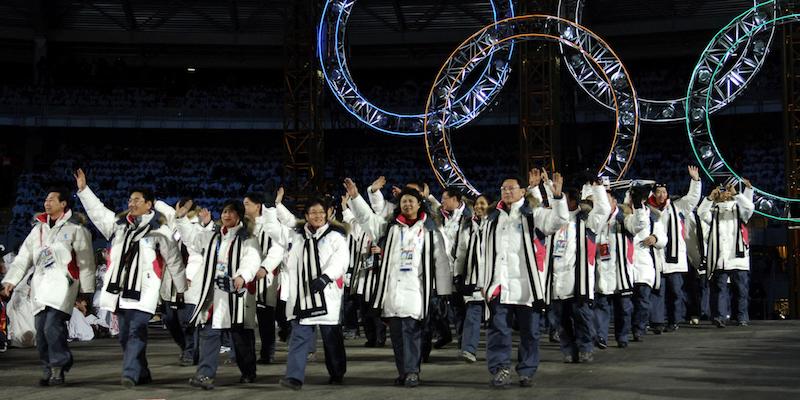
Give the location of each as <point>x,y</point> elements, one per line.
<point>733,81</point>
<point>483,44</point>
<point>700,98</point>
<point>332,55</point>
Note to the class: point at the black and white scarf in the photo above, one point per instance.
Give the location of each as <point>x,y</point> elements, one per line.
<point>309,304</point>
<point>701,242</point>
<point>355,244</point>
<point>713,240</point>
<point>472,273</point>
<point>428,283</point>
<point>236,300</point>
<point>537,270</point>
<point>125,275</point>
<point>674,231</point>
<point>623,242</point>
<point>261,284</point>
<point>654,258</point>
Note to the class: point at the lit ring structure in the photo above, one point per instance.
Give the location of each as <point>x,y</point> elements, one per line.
<point>481,45</point>
<point>332,53</point>
<point>748,60</point>
<point>700,98</point>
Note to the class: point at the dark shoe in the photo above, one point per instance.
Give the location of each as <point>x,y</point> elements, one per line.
<point>267,360</point>
<point>719,323</point>
<point>525,381</point>
<point>601,343</point>
<point>291,383</point>
<point>144,380</point>
<point>568,359</point>
<point>412,380</point>
<point>186,362</point>
<point>671,328</point>
<point>56,376</point>
<point>501,379</point>
<point>204,382</point>
<point>743,323</point>
<point>47,373</point>
<point>657,329</point>
<point>638,338</point>
<point>400,381</point>
<point>336,380</point>
<point>443,342</point>
<point>380,344</point>
<point>585,357</point>
<point>370,344</point>
<point>127,383</point>
<point>622,345</point>
<point>247,379</point>
<point>554,338</point>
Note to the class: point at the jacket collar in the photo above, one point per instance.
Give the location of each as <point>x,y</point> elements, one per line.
<point>45,219</point>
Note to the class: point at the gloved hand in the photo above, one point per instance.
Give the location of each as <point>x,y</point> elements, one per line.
<point>318,285</point>
<point>223,283</point>
<point>179,300</point>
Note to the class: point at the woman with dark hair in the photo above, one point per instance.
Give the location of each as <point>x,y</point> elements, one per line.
<point>231,260</point>
<point>468,262</point>
<point>415,268</point>
<point>312,284</point>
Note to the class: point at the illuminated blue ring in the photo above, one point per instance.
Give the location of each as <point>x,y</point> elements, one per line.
<point>411,122</point>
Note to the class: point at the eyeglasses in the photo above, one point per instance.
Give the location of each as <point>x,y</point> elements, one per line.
<point>508,188</point>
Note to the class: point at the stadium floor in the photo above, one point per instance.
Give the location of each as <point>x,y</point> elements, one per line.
<point>696,362</point>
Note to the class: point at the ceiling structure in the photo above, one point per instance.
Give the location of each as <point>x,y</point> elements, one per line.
<point>381,32</point>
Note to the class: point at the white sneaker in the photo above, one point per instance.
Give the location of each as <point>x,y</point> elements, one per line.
<point>224,349</point>
<point>694,321</point>
<point>468,357</point>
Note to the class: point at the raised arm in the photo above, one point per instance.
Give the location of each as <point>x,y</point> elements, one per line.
<point>280,234</point>
<point>102,218</point>
<point>601,208</point>
<point>688,202</point>
<point>370,222</point>
<point>745,201</point>
<point>549,221</point>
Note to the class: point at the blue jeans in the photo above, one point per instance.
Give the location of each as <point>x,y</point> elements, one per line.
<point>133,338</point>
<point>658,310</point>
<point>243,340</point>
<point>721,298</point>
<point>406,334</point>
<point>602,316</point>
<point>675,298</point>
<point>641,309</point>
<point>577,326</point>
<point>51,338</point>
<point>471,332</point>
<point>176,318</point>
<point>498,342</point>
<point>301,343</point>
<point>623,309</point>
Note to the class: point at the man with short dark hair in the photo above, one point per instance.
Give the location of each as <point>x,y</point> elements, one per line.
<point>515,278</point>
<point>142,246</point>
<point>266,279</point>
<point>59,248</point>
<point>313,289</point>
